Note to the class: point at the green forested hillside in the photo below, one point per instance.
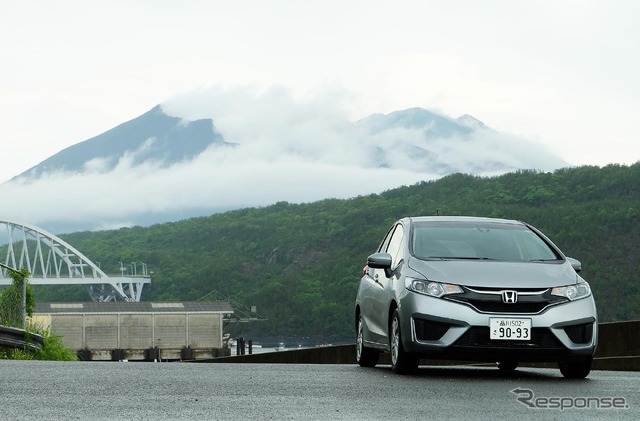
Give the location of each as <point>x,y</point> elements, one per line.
<point>300,263</point>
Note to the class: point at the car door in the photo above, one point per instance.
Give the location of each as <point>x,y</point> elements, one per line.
<point>382,291</point>
<point>368,297</point>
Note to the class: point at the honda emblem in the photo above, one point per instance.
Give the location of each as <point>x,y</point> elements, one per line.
<point>509,297</point>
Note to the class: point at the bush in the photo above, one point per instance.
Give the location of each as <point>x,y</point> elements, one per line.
<point>52,349</point>
<point>12,299</point>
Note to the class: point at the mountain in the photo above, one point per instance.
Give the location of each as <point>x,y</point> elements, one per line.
<point>470,122</point>
<point>151,137</point>
<point>411,137</point>
<point>433,125</point>
<point>163,166</point>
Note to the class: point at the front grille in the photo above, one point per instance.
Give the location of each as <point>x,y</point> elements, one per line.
<point>429,330</point>
<point>580,334</point>
<point>478,336</point>
<point>489,300</point>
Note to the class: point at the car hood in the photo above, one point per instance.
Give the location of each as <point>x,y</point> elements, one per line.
<point>486,273</point>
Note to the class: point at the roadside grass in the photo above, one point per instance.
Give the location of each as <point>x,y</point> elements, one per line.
<point>52,350</point>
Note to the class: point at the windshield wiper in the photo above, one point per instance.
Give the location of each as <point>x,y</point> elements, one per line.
<point>460,258</point>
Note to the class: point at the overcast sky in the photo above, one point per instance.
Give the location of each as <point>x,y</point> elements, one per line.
<point>561,73</point>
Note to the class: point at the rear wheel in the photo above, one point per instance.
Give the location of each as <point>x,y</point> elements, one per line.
<point>366,357</point>
<point>401,361</point>
<point>578,369</point>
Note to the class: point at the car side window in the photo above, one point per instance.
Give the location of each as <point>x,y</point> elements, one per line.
<point>395,245</point>
<point>385,241</point>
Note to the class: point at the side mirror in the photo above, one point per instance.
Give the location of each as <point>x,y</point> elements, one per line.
<point>575,264</point>
<point>380,261</point>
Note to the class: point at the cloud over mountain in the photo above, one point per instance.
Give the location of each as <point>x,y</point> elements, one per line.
<point>219,149</point>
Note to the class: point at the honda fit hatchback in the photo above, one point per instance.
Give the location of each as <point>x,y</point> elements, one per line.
<point>475,289</point>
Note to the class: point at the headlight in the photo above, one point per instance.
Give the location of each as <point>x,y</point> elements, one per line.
<point>434,289</point>
<point>573,292</point>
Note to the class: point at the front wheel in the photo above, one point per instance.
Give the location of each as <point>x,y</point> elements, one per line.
<point>401,361</point>
<point>578,369</point>
<point>365,357</point>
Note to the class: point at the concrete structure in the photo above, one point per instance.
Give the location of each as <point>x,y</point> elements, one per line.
<point>145,331</point>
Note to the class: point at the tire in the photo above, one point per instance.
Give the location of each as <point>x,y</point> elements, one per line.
<point>402,362</point>
<point>365,357</point>
<point>578,369</point>
<point>507,366</point>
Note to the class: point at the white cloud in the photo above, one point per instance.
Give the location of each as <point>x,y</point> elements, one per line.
<point>294,149</point>
<point>237,180</point>
<point>96,165</point>
<point>562,72</point>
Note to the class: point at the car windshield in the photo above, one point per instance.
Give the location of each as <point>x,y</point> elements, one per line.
<point>479,241</point>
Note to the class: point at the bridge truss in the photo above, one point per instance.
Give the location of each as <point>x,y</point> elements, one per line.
<point>52,261</point>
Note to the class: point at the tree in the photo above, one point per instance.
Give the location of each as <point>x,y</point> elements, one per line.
<point>12,299</point>
<point>16,303</point>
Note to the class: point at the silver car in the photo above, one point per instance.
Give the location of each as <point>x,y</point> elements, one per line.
<point>475,289</point>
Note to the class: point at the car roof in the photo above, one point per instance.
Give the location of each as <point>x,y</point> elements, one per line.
<point>462,219</point>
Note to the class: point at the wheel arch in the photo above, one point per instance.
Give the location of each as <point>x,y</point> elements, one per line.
<point>393,306</point>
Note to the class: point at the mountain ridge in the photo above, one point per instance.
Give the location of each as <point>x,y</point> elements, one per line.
<point>157,136</point>
<point>159,167</point>
<point>153,135</point>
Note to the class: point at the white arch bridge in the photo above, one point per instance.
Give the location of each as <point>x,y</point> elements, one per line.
<point>51,261</point>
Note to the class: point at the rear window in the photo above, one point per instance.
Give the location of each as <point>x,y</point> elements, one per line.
<point>473,240</point>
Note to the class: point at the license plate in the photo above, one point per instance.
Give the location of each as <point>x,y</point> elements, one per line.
<point>510,329</point>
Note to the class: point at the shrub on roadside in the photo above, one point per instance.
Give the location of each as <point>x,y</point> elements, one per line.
<point>52,350</point>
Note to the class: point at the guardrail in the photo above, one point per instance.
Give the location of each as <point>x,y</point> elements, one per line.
<point>12,337</point>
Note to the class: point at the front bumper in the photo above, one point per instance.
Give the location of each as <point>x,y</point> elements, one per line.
<point>448,330</point>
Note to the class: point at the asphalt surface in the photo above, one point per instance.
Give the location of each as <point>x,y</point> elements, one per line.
<point>38,390</point>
